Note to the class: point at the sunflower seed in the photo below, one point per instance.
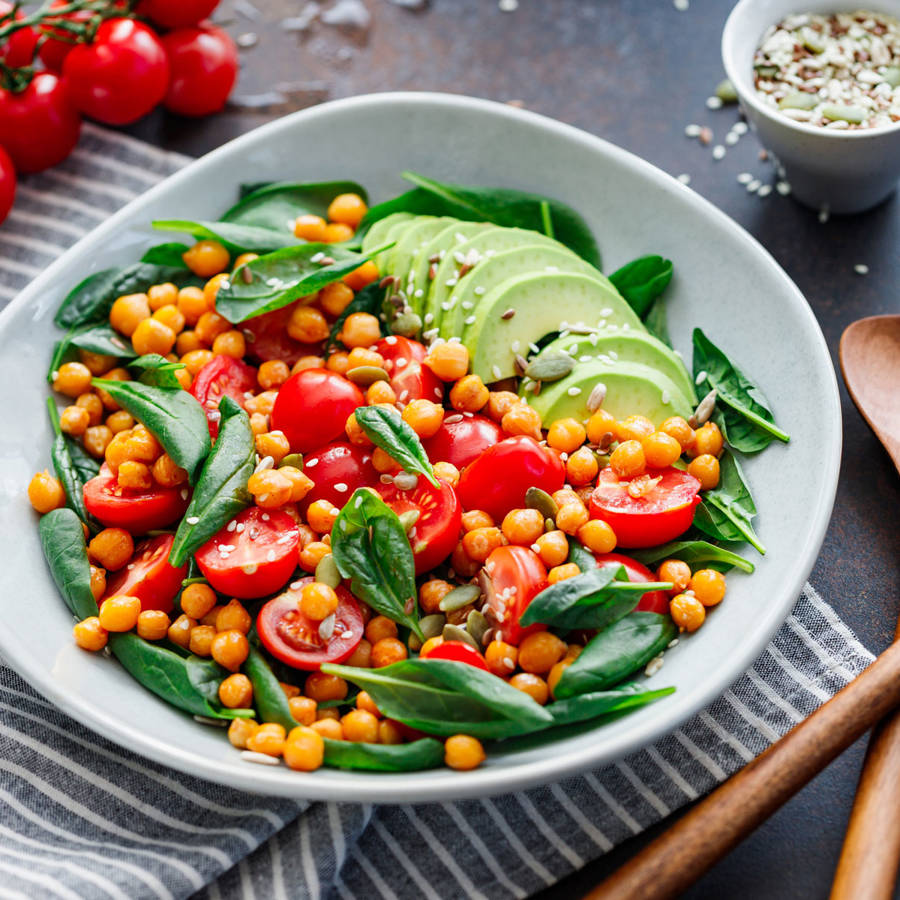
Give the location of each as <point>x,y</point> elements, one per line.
<point>327,571</point>
<point>704,410</point>
<point>596,397</point>
<point>408,518</point>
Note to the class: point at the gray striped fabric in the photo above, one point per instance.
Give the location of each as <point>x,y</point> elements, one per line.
<point>83,818</point>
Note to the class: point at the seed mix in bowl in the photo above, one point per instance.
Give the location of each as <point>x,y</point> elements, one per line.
<point>840,71</point>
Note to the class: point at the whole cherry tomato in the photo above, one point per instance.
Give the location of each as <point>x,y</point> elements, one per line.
<point>56,46</point>
<point>267,337</point>
<point>337,470</point>
<point>39,126</point>
<point>460,441</point>
<point>18,50</point>
<point>176,13</point>
<point>7,184</point>
<point>203,67</point>
<point>121,76</point>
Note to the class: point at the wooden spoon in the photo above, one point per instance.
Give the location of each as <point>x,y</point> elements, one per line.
<point>870,358</point>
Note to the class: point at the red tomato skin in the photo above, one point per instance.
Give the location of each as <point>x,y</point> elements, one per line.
<point>459,443</point>
<point>18,51</point>
<point>270,339</point>
<point>497,480</point>
<point>312,408</point>
<point>634,521</point>
<point>176,13</point>
<point>409,378</point>
<point>39,127</point>
<point>457,651</point>
<point>338,463</point>
<point>220,376</point>
<point>121,76</point>
<point>7,184</point>
<point>228,576</point>
<point>54,51</point>
<point>203,67</point>
<point>520,568</point>
<point>136,511</point>
<point>270,627</point>
<point>149,576</point>
<point>436,531</point>
<point>652,601</point>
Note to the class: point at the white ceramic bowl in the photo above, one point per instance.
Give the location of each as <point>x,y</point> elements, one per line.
<point>843,171</point>
<point>724,281</point>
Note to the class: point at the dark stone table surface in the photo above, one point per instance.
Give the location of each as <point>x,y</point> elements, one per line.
<point>635,72</point>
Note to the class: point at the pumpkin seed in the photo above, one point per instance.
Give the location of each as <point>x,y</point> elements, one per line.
<point>409,518</point>
<point>725,91</point>
<point>366,375</point>
<point>459,597</point>
<point>407,324</point>
<point>854,114</point>
<point>476,625</point>
<point>800,100</point>
<point>431,627</point>
<point>455,633</point>
<point>892,76</point>
<point>327,571</point>
<point>549,524</point>
<point>596,397</point>
<point>550,366</point>
<point>292,459</point>
<point>540,500</point>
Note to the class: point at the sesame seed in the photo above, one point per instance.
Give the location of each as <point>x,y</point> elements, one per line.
<point>718,152</point>
<point>265,517</point>
<point>764,190</point>
<point>495,371</point>
<point>861,269</point>
<point>573,391</point>
<point>754,186</point>
<point>311,462</point>
<point>469,320</point>
<point>739,128</point>
<point>692,130</point>
<point>479,290</point>
<point>713,102</point>
<point>731,138</point>
<point>231,525</point>
<point>684,178</point>
<point>744,178</point>
<point>192,520</point>
<point>429,318</point>
<point>665,398</point>
<point>341,487</point>
<point>451,282</point>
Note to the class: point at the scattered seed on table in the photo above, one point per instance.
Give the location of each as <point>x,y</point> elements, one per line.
<point>705,136</point>
<point>731,138</point>
<point>739,128</point>
<point>713,102</point>
<point>684,179</point>
<point>763,154</point>
<point>823,215</point>
<point>692,130</point>
<point>764,190</point>
<point>783,188</point>
<point>861,269</point>
<point>681,5</point>
<point>247,40</point>
<point>718,152</point>
<point>754,186</point>
<point>744,178</point>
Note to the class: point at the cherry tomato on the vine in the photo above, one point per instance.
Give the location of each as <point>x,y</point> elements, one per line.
<point>203,66</point>
<point>176,13</point>
<point>57,41</point>
<point>121,76</point>
<point>7,184</point>
<point>18,50</point>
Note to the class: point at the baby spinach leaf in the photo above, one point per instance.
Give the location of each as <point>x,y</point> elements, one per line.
<point>62,540</point>
<point>277,205</point>
<point>371,548</point>
<point>270,700</point>
<point>642,280</point>
<point>173,416</point>
<point>221,491</point>
<point>169,254</point>
<point>385,429</point>
<point>236,238</point>
<point>279,278</point>
<point>599,703</point>
<point>90,301</point>
<point>656,322</point>
<point>73,466</point>
<point>697,554</point>
<point>369,300</point>
<point>725,513</point>
<point>96,338</point>
<point>616,652</point>
<point>445,698</point>
<point>743,413</point>
<point>156,370</point>
<point>581,556</point>
<point>594,599</point>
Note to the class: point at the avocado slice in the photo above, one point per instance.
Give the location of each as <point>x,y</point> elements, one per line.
<point>491,271</point>
<point>419,233</point>
<point>541,304</point>
<point>377,234</point>
<point>610,344</point>
<point>631,389</point>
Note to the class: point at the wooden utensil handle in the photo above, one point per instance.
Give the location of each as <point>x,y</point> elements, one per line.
<point>717,824</point>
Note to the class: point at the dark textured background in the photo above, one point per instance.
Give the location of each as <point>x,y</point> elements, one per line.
<point>636,72</point>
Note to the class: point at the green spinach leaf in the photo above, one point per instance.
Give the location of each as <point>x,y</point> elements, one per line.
<point>156,370</point>
<point>96,338</point>
<point>581,556</point>
<point>697,554</point>
<point>169,254</point>
<point>73,466</point>
<point>62,540</point>
<point>599,703</point>
<point>385,429</point>
<point>656,321</point>
<point>642,280</point>
<point>270,700</point>
<point>236,238</point>
<point>221,491</point>
<point>371,548</point>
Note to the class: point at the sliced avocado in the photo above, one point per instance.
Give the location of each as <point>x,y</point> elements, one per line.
<point>631,389</point>
<point>541,304</point>
<point>377,234</point>
<point>491,271</point>
<point>394,234</point>
<point>612,344</point>
<point>419,233</point>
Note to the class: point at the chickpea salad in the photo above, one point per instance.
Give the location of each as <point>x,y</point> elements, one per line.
<point>391,487</point>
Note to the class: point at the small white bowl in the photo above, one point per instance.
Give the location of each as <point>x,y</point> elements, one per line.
<point>841,171</point>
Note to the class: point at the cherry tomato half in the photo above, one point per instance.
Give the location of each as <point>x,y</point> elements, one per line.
<point>268,337</point>
<point>176,13</point>
<point>136,511</point>
<point>436,531</point>
<point>312,408</point>
<point>7,184</point>
<point>462,441</point>
<point>39,126</point>
<point>457,651</point>
<point>149,576</point>
<point>222,376</point>
<point>203,66</point>
<point>121,76</point>
<point>337,470</point>
<point>254,559</point>
<point>18,51</point>
<point>497,480</point>
<point>652,601</point>
<point>55,48</point>
<point>517,577</point>
<point>294,639</point>
<point>409,378</point>
<point>660,515</point>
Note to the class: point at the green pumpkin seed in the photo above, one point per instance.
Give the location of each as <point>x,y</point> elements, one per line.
<point>853,114</point>
<point>455,633</point>
<point>431,627</point>
<point>540,500</point>
<point>366,375</point>
<point>766,71</point>
<point>459,597</point>
<point>292,459</point>
<point>407,324</point>
<point>550,366</point>
<point>409,518</point>
<point>725,91</point>
<point>327,571</point>
<point>892,76</point>
<point>549,524</point>
<point>476,625</point>
<point>800,100</point>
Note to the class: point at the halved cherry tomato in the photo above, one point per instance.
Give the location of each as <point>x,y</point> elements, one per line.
<point>497,480</point>
<point>436,531</point>
<point>659,515</point>
<point>267,337</point>
<point>294,639</point>
<point>18,50</point>
<point>517,577</point>
<point>136,511</point>
<point>149,576</point>
<point>312,408</point>
<point>255,558</point>
<point>461,441</point>
<point>220,376</point>
<point>409,378</point>
<point>337,470</point>
<point>652,601</point>
<point>457,651</point>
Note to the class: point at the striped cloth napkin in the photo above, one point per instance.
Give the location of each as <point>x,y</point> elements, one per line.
<point>83,818</point>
